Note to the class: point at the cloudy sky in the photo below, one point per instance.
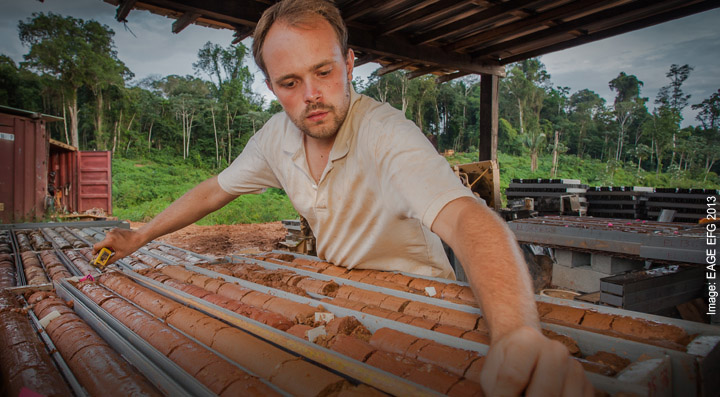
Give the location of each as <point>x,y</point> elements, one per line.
<point>148,47</point>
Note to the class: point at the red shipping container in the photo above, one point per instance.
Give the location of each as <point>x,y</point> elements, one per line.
<point>32,166</point>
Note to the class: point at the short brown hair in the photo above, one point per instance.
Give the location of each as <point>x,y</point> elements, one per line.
<point>295,13</point>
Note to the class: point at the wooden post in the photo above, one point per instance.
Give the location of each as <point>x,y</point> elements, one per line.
<point>488,117</point>
<point>487,146</point>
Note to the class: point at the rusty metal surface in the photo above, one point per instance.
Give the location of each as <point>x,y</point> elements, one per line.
<point>62,161</point>
<point>94,181</point>
<point>23,165</point>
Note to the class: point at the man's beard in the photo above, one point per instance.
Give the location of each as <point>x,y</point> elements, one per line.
<point>328,127</point>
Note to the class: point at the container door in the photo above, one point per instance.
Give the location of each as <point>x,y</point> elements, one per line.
<point>94,188</point>
<point>7,169</point>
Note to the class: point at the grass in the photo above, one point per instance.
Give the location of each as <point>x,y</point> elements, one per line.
<point>143,188</point>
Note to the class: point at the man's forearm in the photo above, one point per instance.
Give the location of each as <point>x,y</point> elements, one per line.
<point>494,264</point>
<point>203,199</point>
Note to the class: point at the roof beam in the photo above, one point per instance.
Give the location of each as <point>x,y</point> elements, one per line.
<point>639,24</point>
<point>533,22</point>
<point>241,33</point>
<point>229,12</point>
<point>367,58</point>
<point>184,21</point>
<point>451,76</point>
<point>360,8</point>
<point>422,15</point>
<point>397,47</point>
<point>641,7</point>
<point>124,9</point>
<point>422,72</point>
<point>392,67</point>
<point>471,22</point>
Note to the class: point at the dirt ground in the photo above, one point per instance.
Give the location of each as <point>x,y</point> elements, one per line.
<point>221,240</point>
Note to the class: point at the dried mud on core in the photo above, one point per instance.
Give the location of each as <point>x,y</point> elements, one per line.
<point>221,240</point>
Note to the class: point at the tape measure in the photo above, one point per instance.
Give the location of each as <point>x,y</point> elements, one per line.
<point>102,258</point>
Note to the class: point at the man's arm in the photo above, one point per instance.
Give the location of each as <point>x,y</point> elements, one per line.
<point>201,200</point>
<point>520,358</point>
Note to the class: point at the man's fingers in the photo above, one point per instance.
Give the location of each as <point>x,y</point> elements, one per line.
<point>576,384</point>
<point>120,241</point>
<point>550,372</point>
<point>510,371</point>
<point>514,375</point>
<point>588,389</point>
<point>493,362</point>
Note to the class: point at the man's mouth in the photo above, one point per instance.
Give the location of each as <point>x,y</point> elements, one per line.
<point>317,116</point>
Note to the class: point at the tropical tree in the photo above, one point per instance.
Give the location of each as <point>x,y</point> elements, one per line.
<point>585,106</point>
<point>231,89</point>
<point>709,117</point>
<point>76,53</point>
<point>187,96</point>
<point>628,104</point>
<point>673,97</point>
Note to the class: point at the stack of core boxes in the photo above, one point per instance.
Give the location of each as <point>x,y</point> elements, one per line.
<point>627,202</point>
<point>690,205</point>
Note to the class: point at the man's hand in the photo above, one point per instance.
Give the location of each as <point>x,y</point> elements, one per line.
<point>121,241</point>
<point>520,359</point>
<point>201,200</point>
<point>526,362</point>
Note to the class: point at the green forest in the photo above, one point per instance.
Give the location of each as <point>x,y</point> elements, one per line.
<point>168,132</point>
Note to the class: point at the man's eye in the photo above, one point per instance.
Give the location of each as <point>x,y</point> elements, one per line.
<point>325,72</point>
<point>290,84</point>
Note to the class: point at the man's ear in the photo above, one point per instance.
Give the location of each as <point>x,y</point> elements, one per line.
<point>350,63</point>
<point>269,86</point>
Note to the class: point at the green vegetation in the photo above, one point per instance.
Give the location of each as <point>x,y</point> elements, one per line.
<point>167,133</point>
<point>142,189</point>
<point>590,171</point>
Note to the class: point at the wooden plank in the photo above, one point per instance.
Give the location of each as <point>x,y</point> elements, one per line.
<point>421,72</point>
<point>367,58</point>
<point>30,288</point>
<point>360,8</point>
<point>693,310</point>
<point>639,24</point>
<point>241,33</point>
<point>124,9</point>
<point>592,297</point>
<point>451,76</point>
<point>471,22</point>
<point>642,7</point>
<point>184,21</point>
<point>394,46</point>
<point>228,12</point>
<point>391,68</point>
<point>526,24</point>
<point>422,15</point>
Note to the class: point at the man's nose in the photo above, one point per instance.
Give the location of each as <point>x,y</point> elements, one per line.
<point>312,93</point>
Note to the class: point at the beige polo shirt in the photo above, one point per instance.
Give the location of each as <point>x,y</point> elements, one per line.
<point>383,186</point>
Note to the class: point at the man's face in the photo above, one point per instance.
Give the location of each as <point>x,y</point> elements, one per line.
<point>310,76</point>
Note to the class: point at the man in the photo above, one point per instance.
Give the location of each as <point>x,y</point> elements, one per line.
<point>372,189</point>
